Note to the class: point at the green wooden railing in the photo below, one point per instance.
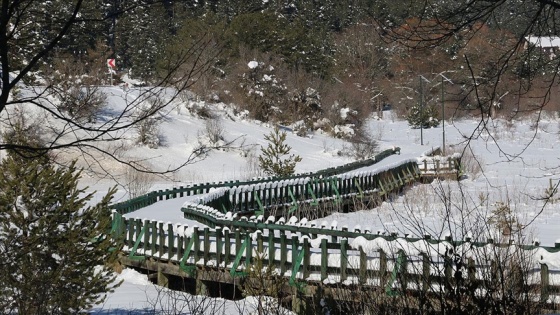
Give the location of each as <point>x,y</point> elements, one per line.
<point>259,198</point>
<point>318,254</point>
<point>199,189</point>
<point>299,251</point>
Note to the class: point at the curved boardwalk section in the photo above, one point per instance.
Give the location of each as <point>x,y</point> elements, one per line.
<point>262,227</point>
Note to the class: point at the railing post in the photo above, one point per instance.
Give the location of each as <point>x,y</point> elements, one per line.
<point>382,268</point>
<point>153,244</point>
<point>283,252</point>
<point>137,228</point>
<point>147,235</point>
<point>295,252</point>
<point>130,230</point>
<point>425,272</point>
<point>219,244</point>
<point>180,244</point>
<point>246,201</point>
<point>237,240</point>
<point>206,253</point>
<point>448,271</point>
<point>271,248</point>
<point>306,258</point>
<point>249,251</point>
<point>196,245</point>
<point>170,241</point>
<point>343,259</point>
<point>471,270</point>
<point>363,266</point>
<point>544,282</point>
<point>227,247</point>
<point>324,259</point>
<point>260,243</point>
<point>161,239</point>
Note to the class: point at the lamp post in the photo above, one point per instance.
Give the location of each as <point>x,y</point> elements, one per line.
<point>443,110</point>
<point>422,108</point>
<point>421,112</point>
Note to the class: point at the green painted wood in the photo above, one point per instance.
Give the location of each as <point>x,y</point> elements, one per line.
<point>296,263</point>
<point>237,261</point>
<point>227,247</point>
<point>182,264</point>
<point>382,191</point>
<point>147,235</point>
<point>398,269</point>
<point>161,240</point>
<point>335,189</point>
<point>545,283</point>
<point>271,249</point>
<point>294,206</point>
<point>170,241</point>
<point>306,268</point>
<point>206,251</point>
<point>132,254</point>
<point>260,204</point>
<point>359,188</point>
<point>237,236</point>
<point>426,283</point>
<point>294,248</point>
<point>363,267</point>
<point>181,245</point>
<point>260,244</point>
<point>343,259</point>
<point>248,251</point>
<point>196,245</point>
<point>315,202</point>
<point>153,243</point>
<point>219,246</point>
<point>130,226</point>
<point>382,268</point>
<point>324,259</point>
<point>283,252</point>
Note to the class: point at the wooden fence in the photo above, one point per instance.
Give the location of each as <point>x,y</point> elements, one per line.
<point>333,256</point>
<point>241,231</point>
<point>204,188</point>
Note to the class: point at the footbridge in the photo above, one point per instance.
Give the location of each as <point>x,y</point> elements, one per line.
<point>254,234</point>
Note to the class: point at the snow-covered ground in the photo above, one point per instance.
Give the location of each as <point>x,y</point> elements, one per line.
<point>513,165</point>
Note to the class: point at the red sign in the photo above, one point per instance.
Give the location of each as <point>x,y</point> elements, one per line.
<point>111,63</point>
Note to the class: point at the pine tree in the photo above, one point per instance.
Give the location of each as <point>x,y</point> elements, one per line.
<point>272,159</point>
<point>426,117</point>
<point>52,244</point>
<point>139,37</point>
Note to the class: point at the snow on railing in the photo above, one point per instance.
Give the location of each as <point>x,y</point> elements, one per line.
<point>368,259</point>
<point>203,188</point>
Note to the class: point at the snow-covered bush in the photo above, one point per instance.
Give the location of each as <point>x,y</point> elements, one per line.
<point>214,130</point>
<point>149,133</point>
<point>138,183</point>
<point>147,125</point>
<point>423,116</point>
<point>22,129</point>
<point>81,103</point>
<point>362,146</point>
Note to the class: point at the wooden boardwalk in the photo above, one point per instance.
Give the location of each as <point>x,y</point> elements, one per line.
<point>256,224</point>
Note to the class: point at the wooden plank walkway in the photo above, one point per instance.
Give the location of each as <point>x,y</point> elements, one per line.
<point>242,233</point>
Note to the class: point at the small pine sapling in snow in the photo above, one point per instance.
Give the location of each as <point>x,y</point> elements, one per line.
<point>423,117</point>
<point>275,159</point>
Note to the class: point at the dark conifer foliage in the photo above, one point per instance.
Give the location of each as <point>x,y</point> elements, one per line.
<point>53,241</point>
